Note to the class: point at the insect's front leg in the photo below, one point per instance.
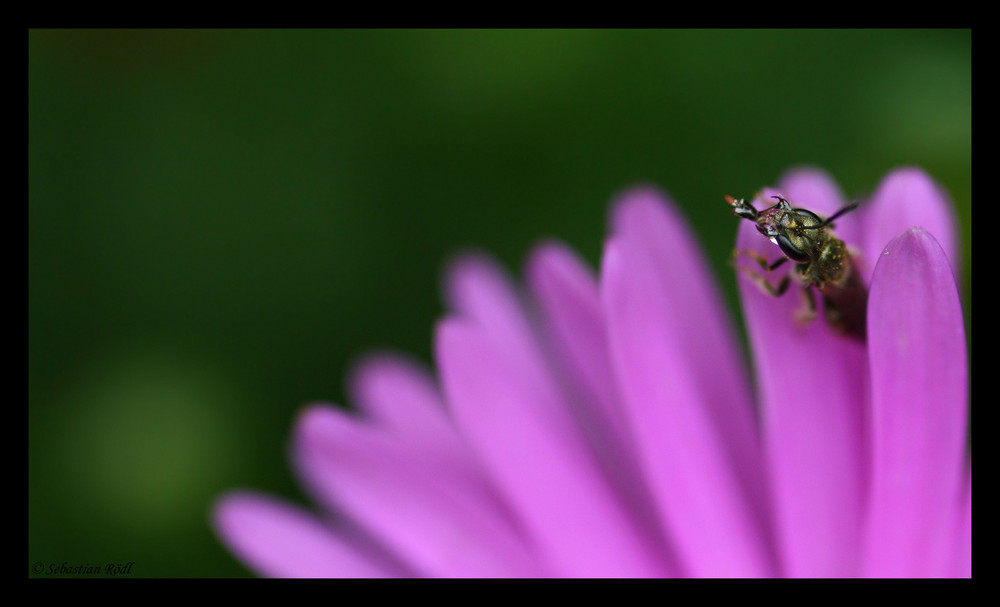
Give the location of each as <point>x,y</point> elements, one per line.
<point>762,282</point>
<point>760,259</point>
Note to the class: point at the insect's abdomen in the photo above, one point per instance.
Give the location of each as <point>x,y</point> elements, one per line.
<point>846,303</point>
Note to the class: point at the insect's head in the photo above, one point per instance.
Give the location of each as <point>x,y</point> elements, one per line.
<point>797,232</point>
<point>771,221</point>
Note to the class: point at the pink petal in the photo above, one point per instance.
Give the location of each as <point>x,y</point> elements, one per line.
<point>572,321</point>
<point>919,401</point>
<point>433,515</point>
<point>477,289</point>
<point>684,389</point>
<point>963,558</point>
<point>402,397</point>
<point>811,386</point>
<point>907,198</point>
<point>527,439</point>
<point>279,540</point>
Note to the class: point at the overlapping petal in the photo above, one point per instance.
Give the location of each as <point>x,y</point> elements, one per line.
<point>811,385</point>
<point>403,399</point>
<point>919,401</point>
<point>685,391</point>
<point>571,321</point>
<point>520,424</point>
<point>439,518</point>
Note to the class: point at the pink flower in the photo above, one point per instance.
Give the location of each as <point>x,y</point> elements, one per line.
<point>608,427</point>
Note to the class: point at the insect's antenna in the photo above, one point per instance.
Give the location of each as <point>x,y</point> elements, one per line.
<point>829,219</point>
<point>741,208</point>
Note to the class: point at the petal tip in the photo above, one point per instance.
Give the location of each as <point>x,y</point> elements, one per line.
<point>914,186</point>
<point>553,261</point>
<point>368,372</point>
<point>914,240</point>
<point>463,270</point>
<point>224,504</point>
<point>231,511</point>
<point>312,423</point>
<point>544,256</point>
<point>804,171</point>
<point>637,204</point>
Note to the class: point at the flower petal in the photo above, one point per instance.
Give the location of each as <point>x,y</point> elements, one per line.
<point>536,454</point>
<point>402,397</point>
<point>906,198</point>
<point>919,401</point>
<point>572,323</point>
<point>811,386</point>
<point>276,539</point>
<point>685,391</point>
<point>435,517</point>
<point>963,559</point>
<point>476,288</point>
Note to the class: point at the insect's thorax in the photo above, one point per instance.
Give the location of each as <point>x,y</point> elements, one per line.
<point>829,266</point>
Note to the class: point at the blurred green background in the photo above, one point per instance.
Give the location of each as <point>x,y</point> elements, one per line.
<point>220,222</point>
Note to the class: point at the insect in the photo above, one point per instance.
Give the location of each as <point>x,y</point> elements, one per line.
<point>823,262</point>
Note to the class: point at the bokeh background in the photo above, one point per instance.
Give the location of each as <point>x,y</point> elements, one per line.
<point>221,222</point>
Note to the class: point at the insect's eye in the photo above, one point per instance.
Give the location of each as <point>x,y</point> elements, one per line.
<point>790,250</point>
<point>811,219</point>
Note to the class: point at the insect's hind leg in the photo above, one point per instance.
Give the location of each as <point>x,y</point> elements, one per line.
<point>807,312</point>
